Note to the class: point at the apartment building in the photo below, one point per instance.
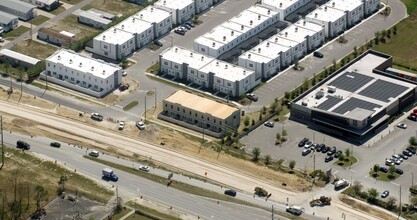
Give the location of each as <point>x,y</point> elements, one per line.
<point>371,6</point>
<point>142,30</point>
<point>181,10</point>
<point>333,20</point>
<point>115,44</point>
<point>160,19</point>
<point>202,5</point>
<point>315,34</point>
<point>284,7</point>
<point>354,10</point>
<point>83,74</point>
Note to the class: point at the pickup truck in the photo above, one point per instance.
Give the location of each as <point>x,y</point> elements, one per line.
<point>109,174</point>
<point>22,145</point>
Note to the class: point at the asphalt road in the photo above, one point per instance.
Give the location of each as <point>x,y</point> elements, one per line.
<point>133,186</point>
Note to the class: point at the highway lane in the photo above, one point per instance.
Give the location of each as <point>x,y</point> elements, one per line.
<point>136,186</point>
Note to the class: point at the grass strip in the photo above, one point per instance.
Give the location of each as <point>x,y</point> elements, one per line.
<point>130,105</point>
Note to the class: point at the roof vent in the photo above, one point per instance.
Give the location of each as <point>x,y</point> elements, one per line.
<point>104,37</point>
<point>242,27</point>
<point>202,58</point>
<point>315,15</point>
<point>104,72</point>
<point>325,8</point>
<point>250,22</point>
<point>191,54</point>
<point>92,68</point>
<point>151,9</point>
<point>141,16</point>
<point>248,56</point>
<point>114,30</point>
<point>59,57</point>
<point>225,66</point>
<point>165,2</point>
<point>296,29</point>
<point>123,26</point>
<point>286,33</point>
<point>232,33</point>
<point>70,61</point>
<point>224,38</point>
<point>259,50</point>
<point>244,72</point>
<point>214,44</point>
<point>276,39</point>
<point>81,64</point>
<point>333,4</point>
<point>259,17</point>
<point>267,44</point>
<point>304,23</point>
<point>176,49</point>
<point>133,19</point>
<point>269,11</point>
<point>280,4</point>
<point>217,63</point>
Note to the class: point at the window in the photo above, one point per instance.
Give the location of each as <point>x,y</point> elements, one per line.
<point>202,75</point>
<point>66,77</point>
<point>165,63</point>
<point>192,71</point>
<point>178,108</point>
<point>250,65</point>
<point>172,106</point>
<point>229,84</point>
<point>203,50</point>
<point>124,46</point>
<point>176,66</point>
<point>105,46</point>
<point>160,25</point>
<point>49,64</point>
<point>219,81</point>
<point>183,111</point>
<point>72,78</point>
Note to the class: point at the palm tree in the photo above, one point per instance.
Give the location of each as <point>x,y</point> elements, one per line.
<point>267,159</point>
<point>373,193</point>
<point>391,170</point>
<point>256,153</point>
<point>40,195</point>
<point>292,164</point>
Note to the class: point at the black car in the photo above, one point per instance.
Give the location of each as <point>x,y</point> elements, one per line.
<point>408,153</point>
<point>305,152</point>
<point>328,159</point>
<point>320,147</point>
<point>22,145</point>
<point>158,43</point>
<point>399,171</point>
<point>190,23</point>
<point>188,27</point>
<point>252,97</point>
<point>325,150</point>
<point>301,143</point>
<point>55,144</point>
<point>338,153</point>
<point>412,150</point>
<point>318,54</point>
<point>230,192</point>
<point>332,151</point>
<point>383,169</point>
<point>412,118</point>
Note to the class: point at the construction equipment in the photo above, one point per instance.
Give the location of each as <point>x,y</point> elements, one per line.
<point>261,192</point>
<point>322,201</point>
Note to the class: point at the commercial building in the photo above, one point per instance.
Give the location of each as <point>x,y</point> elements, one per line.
<point>284,7</point>
<point>48,5</point>
<point>72,70</point>
<point>160,19</point>
<point>115,44</point>
<point>371,6</point>
<point>181,10</point>
<point>61,39</point>
<point>16,59</point>
<point>333,20</point>
<point>142,30</point>
<point>24,11</point>
<point>206,72</point>
<point>93,20</point>
<point>202,5</point>
<point>8,21</point>
<point>209,117</point>
<point>357,100</point>
<point>354,9</point>
<point>231,33</point>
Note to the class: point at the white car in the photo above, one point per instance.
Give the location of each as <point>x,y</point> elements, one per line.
<point>1,39</point>
<point>140,125</point>
<point>121,125</point>
<point>144,168</point>
<point>402,125</point>
<point>124,73</point>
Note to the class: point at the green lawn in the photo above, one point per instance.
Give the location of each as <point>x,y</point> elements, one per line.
<point>39,20</point>
<point>130,105</point>
<point>16,32</point>
<point>346,162</point>
<point>383,176</point>
<point>58,10</point>
<point>410,5</point>
<point>148,211</point>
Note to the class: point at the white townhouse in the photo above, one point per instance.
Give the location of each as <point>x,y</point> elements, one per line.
<point>229,79</point>
<point>202,5</point>
<point>207,72</point>
<point>299,36</point>
<point>314,33</point>
<point>160,19</point>
<point>334,20</point>
<point>231,33</point>
<point>352,8</point>
<point>91,76</point>
<point>371,6</point>
<point>284,7</point>
<point>181,10</point>
<point>142,30</point>
<point>298,48</point>
<point>114,44</point>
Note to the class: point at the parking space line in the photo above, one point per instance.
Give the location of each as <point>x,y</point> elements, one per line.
<point>395,183</point>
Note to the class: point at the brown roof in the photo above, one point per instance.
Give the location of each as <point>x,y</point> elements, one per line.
<point>55,33</point>
<point>201,104</point>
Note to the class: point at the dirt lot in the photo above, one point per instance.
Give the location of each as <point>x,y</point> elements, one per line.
<point>71,25</point>
<point>114,6</point>
<point>355,205</point>
<point>34,49</point>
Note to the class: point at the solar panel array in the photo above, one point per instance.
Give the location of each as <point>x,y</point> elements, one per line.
<point>329,103</point>
<point>383,90</point>
<point>353,103</point>
<point>351,81</point>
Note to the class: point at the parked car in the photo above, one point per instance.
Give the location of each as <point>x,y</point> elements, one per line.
<point>121,125</point>
<point>402,125</point>
<point>385,194</point>
<point>408,153</point>
<point>332,151</point>
<point>328,159</point>
<point>22,145</point>
<point>301,143</point>
<point>55,144</point>
<point>1,39</point>
<point>179,31</point>
<point>305,152</point>
<point>397,157</point>
<point>190,23</point>
<point>94,153</point>
<point>144,168</point>
<point>252,97</point>
<point>325,150</point>
<point>269,124</point>
<point>188,27</point>
<point>158,43</point>
<point>412,150</point>
<point>338,153</point>
<point>389,162</point>
<point>399,171</point>
<point>124,87</point>
<point>318,54</point>
<point>97,116</point>
<point>405,157</point>
<point>308,144</point>
<point>383,169</point>
<point>124,73</point>
<point>140,125</point>
<point>230,192</point>
<point>320,147</point>
<point>412,117</point>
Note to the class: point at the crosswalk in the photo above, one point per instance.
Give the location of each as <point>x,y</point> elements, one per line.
<point>120,109</point>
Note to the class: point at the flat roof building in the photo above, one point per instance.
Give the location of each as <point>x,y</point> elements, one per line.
<point>202,5</point>
<point>284,7</point>
<point>333,20</point>
<point>209,116</point>
<point>8,21</point>
<point>93,20</point>
<point>142,30</point>
<point>357,100</point>
<point>230,34</point>
<point>181,10</point>
<point>114,44</point>
<point>91,76</point>
<point>160,19</point>
<point>354,9</point>
<point>208,73</point>
<point>18,8</point>
<point>371,6</point>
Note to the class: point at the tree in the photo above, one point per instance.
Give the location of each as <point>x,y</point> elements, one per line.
<point>347,152</point>
<point>372,193</point>
<point>40,195</point>
<point>287,95</point>
<point>376,168</point>
<point>391,203</point>
<point>314,80</point>
<point>229,134</point>
<point>341,157</point>
<point>376,39</point>
<point>394,30</point>
<point>391,170</point>
<point>334,66</point>
<point>389,33</point>
<point>273,107</point>
<point>413,140</point>
<point>267,159</point>
<point>263,110</point>
<point>355,51</point>
<point>413,201</point>
<point>357,187</point>
<point>62,180</point>
<point>342,62</point>
<point>256,153</point>
<point>253,122</point>
<point>284,133</point>
<point>260,117</point>
<point>292,164</point>
<point>305,84</point>
<point>278,136</point>
<point>296,64</point>
<point>247,121</point>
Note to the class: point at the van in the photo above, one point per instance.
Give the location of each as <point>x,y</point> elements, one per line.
<point>22,145</point>
<point>94,153</point>
<point>295,210</point>
<point>230,192</point>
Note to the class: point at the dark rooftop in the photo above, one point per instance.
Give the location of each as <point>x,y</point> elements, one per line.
<point>351,81</point>
<point>383,90</point>
<point>353,103</point>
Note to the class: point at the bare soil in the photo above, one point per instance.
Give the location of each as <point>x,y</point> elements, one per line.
<point>355,205</point>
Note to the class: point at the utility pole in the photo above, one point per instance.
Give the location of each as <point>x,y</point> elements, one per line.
<point>145,108</point>
<point>272,212</point>
<point>412,177</point>
<point>399,213</point>
<point>2,143</point>
<point>202,142</point>
<point>314,162</point>
<point>155,98</point>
